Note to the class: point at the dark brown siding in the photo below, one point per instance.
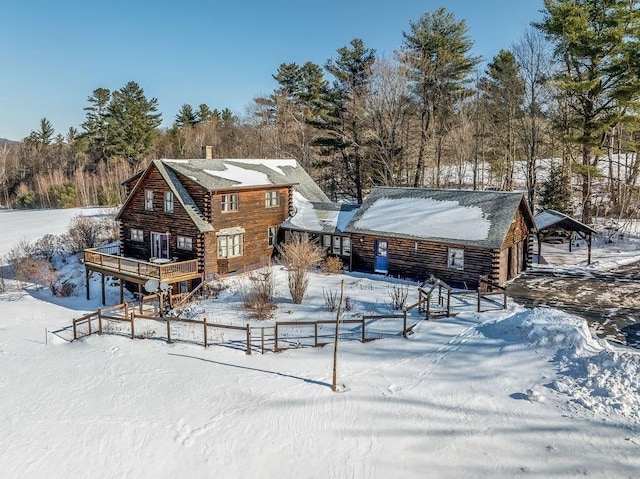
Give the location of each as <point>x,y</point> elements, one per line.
<point>255,218</point>
<point>176,223</point>
<point>421,259</point>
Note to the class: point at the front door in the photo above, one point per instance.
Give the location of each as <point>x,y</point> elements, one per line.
<point>382,259</point>
<point>160,245</point>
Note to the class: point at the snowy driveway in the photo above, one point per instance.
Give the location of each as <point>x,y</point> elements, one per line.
<point>608,300</point>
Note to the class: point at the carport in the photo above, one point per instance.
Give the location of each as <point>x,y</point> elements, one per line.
<point>553,225</point>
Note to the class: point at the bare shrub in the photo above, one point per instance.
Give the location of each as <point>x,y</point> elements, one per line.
<point>62,288</point>
<point>298,255</point>
<point>348,305</point>
<point>398,294</point>
<point>332,265</point>
<point>331,299</point>
<point>47,246</point>
<point>34,270</point>
<point>258,298</point>
<point>83,233</point>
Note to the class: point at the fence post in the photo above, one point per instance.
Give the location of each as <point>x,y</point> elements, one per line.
<point>262,339</point>
<point>363,335</point>
<point>75,334</point>
<point>204,324</point>
<point>479,299</point>
<point>89,320</point>
<point>248,339</point>
<point>100,324</point>
<point>275,338</point>
<point>404,323</point>
<point>448,304</point>
<point>315,333</point>
<point>132,319</point>
<point>504,301</point>
<point>168,329</point>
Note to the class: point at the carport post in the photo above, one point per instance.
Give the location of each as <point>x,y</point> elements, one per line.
<point>588,248</point>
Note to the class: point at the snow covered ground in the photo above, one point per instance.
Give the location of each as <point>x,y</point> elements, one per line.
<point>510,393</point>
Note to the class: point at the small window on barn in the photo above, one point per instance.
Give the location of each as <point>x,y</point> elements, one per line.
<point>272,234</point>
<point>346,246</point>
<point>455,259</point>
<point>148,200</point>
<point>137,235</point>
<point>271,198</point>
<point>184,243</point>
<point>168,201</point>
<point>230,202</point>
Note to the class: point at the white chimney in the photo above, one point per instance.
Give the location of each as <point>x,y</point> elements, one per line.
<point>207,152</point>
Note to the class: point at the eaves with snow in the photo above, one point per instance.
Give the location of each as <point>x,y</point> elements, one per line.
<point>465,217</point>
<point>319,217</point>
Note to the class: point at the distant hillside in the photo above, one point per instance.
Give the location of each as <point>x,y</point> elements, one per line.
<point>4,140</point>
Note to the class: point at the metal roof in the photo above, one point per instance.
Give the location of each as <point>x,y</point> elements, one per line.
<point>548,218</point>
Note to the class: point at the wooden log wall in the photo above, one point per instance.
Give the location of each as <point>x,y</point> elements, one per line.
<point>421,259</point>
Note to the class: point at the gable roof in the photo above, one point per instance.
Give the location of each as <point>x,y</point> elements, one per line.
<point>548,218</point>
<point>319,217</point>
<point>464,217</point>
<point>230,174</point>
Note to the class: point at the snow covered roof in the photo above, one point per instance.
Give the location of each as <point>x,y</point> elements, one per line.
<point>229,174</point>
<point>548,218</point>
<point>466,217</point>
<point>321,217</point>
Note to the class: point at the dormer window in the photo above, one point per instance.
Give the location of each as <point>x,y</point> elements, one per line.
<point>148,200</point>
<point>168,201</point>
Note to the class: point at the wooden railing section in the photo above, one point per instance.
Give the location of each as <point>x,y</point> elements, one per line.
<point>107,261</point>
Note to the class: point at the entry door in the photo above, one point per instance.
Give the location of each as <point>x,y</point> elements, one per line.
<point>382,258</point>
<point>160,245</point>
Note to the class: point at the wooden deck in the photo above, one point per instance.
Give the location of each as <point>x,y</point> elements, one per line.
<point>106,260</point>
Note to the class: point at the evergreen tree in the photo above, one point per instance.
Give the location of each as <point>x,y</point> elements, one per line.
<point>133,123</point>
<point>186,116</point>
<point>96,126</point>
<point>556,194</point>
<point>343,119</point>
<point>436,54</point>
<point>597,41</point>
<point>42,137</point>
<point>204,113</point>
<point>504,91</point>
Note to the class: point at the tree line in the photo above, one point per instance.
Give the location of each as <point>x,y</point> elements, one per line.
<point>555,113</point>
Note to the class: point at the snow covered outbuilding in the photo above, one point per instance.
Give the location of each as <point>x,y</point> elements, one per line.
<point>455,235</point>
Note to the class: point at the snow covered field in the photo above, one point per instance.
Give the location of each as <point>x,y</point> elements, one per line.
<point>510,393</point>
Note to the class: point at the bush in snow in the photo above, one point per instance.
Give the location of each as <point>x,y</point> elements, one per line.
<point>331,299</point>
<point>84,232</point>
<point>258,299</point>
<point>398,294</point>
<point>332,265</point>
<point>298,255</point>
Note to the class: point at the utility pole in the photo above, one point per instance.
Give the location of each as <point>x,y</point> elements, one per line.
<point>335,344</point>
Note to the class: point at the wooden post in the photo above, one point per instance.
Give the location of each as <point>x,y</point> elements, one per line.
<point>448,304</point>
<point>315,333</point>
<point>168,329</point>
<point>121,290</point>
<point>87,274</point>
<point>504,300</point>
<point>132,319</point>
<point>588,248</point>
<point>100,324</point>
<point>104,299</point>
<point>248,339</point>
<point>75,333</point>
<point>275,338</point>
<point>479,299</point>
<point>262,340</point>
<point>335,344</point>
<point>89,320</point>
<point>140,296</point>
<point>404,323</point>
<point>539,247</point>
<point>204,325</point>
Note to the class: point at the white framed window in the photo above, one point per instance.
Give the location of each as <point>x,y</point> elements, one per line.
<point>230,246</point>
<point>346,246</point>
<point>271,198</point>
<point>272,235</point>
<point>148,200</point>
<point>326,241</point>
<point>230,202</point>
<point>455,258</point>
<point>336,245</point>
<point>137,235</point>
<point>168,201</point>
<point>184,243</point>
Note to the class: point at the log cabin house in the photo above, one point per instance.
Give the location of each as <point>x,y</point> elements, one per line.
<point>185,221</point>
<point>454,235</point>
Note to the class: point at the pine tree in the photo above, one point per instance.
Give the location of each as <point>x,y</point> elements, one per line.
<point>186,116</point>
<point>597,41</point>
<point>556,194</point>
<point>96,126</point>
<point>42,137</point>
<point>436,54</point>
<point>132,123</point>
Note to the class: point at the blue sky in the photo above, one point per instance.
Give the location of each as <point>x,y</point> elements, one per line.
<point>222,53</point>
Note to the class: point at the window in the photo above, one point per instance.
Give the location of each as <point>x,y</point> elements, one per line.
<point>346,246</point>
<point>230,246</point>
<point>272,234</point>
<point>336,245</point>
<point>168,201</point>
<point>326,241</point>
<point>185,243</point>
<point>455,258</point>
<point>230,202</point>
<point>137,235</point>
<point>148,200</point>
<point>271,198</point>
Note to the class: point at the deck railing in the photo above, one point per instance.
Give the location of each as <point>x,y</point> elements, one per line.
<point>104,260</point>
